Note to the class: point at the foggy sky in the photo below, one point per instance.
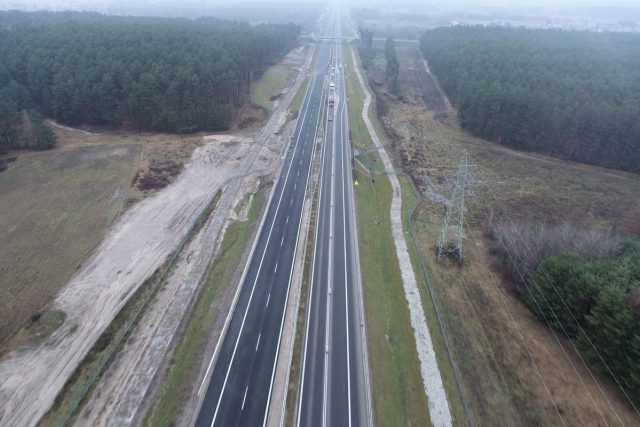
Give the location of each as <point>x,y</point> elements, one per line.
<point>227,8</point>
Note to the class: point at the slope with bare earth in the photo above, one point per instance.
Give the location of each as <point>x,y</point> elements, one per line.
<point>514,369</point>
<point>133,249</point>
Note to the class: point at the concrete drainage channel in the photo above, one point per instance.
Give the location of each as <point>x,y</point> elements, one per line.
<point>432,381</point>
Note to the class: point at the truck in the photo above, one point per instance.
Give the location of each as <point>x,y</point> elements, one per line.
<point>331,105</point>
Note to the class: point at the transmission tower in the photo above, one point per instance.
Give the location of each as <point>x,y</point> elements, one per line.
<point>450,241</point>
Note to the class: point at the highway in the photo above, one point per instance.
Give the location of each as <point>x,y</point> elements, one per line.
<point>239,390</point>
<point>334,385</point>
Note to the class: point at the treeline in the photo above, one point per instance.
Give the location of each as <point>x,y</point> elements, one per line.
<point>597,303</point>
<point>392,68</point>
<point>572,95</point>
<point>365,47</point>
<point>173,75</point>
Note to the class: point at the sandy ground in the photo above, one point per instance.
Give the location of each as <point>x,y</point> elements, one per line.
<point>127,388</point>
<point>119,394</point>
<point>431,378</point>
<point>135,247</point>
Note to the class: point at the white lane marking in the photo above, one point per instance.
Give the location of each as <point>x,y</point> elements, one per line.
<point>235,348</point>
<point>275,362</point>
<point>268,298</point>
<point>313,274</point>
<point>305,102</point>
<point>287,222</point>
<point>282,241</point>
<point>245,396</point>
<point>275,269</point>
<point>346,276</point>
<point>298,174</point>
<point>328,320</point>
<point>258,343</point>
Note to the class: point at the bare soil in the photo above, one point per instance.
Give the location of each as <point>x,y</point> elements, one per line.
<point>133,249</point>
<point>514,370</point>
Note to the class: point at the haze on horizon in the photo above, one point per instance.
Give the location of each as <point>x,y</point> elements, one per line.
<point>206,5</point>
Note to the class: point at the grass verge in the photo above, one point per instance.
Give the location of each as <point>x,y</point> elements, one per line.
<point>186,361</point>
<point>357,128</point>
<point>296,102</point>
<point>398,395</point>
<point>270,85</point>
<point>409,204</point>
<point>296,358</point>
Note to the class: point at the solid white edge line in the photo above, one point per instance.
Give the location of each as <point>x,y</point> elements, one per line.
<point>328,321</point>
<point>346,275</point>
<point>313,265</point>
<point>261,260</point>
<point>246,269</point>
<point>284,312</point>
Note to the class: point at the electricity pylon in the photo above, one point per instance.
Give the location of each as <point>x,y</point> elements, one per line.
<point>450,241</point>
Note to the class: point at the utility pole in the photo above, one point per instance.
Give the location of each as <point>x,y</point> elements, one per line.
<point>450,241</point>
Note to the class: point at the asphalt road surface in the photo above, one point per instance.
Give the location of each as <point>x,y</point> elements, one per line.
<point>334,391</point>
<point>334,366</point>
<point>239,390</point>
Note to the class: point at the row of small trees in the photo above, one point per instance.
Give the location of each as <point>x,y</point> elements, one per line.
<point>587,286</point>
<point>392,68</point>
<point>598,304</point>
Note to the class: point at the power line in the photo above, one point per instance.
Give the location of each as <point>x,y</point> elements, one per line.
<point>450,241</point>
<point>524,342</point>
<point>532,256</point>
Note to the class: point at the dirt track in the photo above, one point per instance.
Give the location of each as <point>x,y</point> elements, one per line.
<point>134,248</point>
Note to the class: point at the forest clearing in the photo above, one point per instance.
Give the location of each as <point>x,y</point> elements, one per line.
<point>484,318</point>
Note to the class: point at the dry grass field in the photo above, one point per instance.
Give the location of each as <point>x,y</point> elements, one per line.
<point>56,207</point>
<point>514,370</point>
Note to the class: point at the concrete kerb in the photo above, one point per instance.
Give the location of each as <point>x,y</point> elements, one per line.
<point>225,327</point>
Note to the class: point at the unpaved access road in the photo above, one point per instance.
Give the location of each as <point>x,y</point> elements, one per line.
<point>134,248</point>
